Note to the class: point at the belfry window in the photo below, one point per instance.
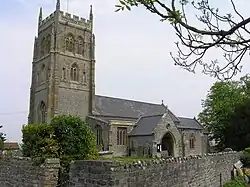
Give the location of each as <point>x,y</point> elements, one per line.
<point>79,45</point>
<point>70,43</point>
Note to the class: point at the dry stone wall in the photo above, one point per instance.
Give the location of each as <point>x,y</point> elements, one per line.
<point>202,171</point>
<point>196,171</point>
<point>22,172</point>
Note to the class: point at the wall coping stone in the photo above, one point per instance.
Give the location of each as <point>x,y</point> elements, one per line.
<point>140,164</point>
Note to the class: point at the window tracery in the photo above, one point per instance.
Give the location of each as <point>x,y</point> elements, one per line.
<point>121,136</point>
<point>70,43</point>
<point>79,46</point>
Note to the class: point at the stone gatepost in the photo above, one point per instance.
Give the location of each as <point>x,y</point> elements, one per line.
<point>51,171</point>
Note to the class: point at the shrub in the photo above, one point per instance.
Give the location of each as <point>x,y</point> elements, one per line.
<point>238,182</point>
<point>75,138</point>
<point>245,157</point>
<point>37,141</point>
<point>66,137</point>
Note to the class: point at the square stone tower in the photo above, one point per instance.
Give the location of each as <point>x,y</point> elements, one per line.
<point>63,68</point>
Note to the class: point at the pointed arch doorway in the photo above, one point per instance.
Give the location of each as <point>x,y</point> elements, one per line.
<point>167,144</point>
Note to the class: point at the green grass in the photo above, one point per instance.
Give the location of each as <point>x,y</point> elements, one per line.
<point>238,182</point>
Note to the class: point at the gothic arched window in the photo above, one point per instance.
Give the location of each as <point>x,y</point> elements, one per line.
<point>42,112</point>
<point>42,46</point>
<point>79,45</point>
<point>191,141</point>
<point>74,72</point>
<point>70,43</point>
<point>121,136</point>
<point>48,43</point>
<point>98,135</point>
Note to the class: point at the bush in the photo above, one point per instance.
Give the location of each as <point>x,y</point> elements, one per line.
<point>66,137</point>
<point>245,157</point>
<point>238,182</point>
<point>37,141</point>
<point>75,138</point>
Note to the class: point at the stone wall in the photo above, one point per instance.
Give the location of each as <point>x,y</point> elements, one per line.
<point>206,171</point>
<point>23,172</point>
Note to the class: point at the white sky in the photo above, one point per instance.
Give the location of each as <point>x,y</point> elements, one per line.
<point>132,59</point>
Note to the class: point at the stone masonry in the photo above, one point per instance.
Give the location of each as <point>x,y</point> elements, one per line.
<point>206,171</point>
<point>21,172</point>
<point>202,171</point>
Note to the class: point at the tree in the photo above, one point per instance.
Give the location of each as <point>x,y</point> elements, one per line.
<point>219,106</point>
<point>227,33</point>
<point>38,141</point>
<point>2,138</point>
<point>75,138</point>
<point>238,132</point>
<point>66,137</point>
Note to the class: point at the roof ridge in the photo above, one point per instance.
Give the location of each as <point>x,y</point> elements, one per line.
<point>129,100</point>
<point>113,116</point>
<point>147,116</point>
<point>184,117</point>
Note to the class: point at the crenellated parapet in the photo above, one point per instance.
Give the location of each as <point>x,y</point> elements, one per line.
<point>47,21</point>
<point>76,20</point>
<point>65,18</point>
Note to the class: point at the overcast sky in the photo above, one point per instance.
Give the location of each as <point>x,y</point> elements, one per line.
<point>132,58</point>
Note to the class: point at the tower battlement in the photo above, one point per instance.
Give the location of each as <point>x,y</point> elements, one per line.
<point>74,19</point>
<point>65,17</point>
<point>47,21</point>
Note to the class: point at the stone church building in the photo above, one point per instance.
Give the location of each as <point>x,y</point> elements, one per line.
<point>63,82</point>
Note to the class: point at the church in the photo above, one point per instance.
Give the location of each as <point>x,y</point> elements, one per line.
<point>63,82</point>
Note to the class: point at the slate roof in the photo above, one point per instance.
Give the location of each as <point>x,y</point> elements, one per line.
<point>124,108</point>
<point>110,108</point>
<point>189,123</point>
<point>146,125</point>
